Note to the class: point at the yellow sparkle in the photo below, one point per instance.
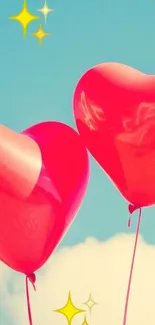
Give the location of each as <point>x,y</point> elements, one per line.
<point>45,10</point>
<point>85,322</point>
<point>69,310</point>
<point>24,18</point>
<point>40,34</point>
<point>90,303</point>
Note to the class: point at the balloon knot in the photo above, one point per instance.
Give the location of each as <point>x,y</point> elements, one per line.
<point>132,208</point>
<point>32,279</point>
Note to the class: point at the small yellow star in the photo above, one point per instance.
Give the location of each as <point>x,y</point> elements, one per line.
<point>85,322</point>
<point>69,310</point>
<point>45,10</point>
<point>90,303</point>
<point>24,18</point>
<point>40,34</point>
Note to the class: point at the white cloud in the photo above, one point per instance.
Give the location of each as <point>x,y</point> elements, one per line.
<point>101,268</point>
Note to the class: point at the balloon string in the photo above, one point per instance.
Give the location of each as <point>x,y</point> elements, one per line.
<point>32,279</point>
<point>132,263</point>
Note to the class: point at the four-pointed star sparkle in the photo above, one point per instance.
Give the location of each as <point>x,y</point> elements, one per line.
<point>25,18</point>
<point>45,10</point>
<point>90,303</point>
<point>40,34</point>
<point>69,310</point>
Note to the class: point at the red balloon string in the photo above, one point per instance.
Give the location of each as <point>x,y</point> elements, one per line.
<point>131,210</point>
<point>32,279</point>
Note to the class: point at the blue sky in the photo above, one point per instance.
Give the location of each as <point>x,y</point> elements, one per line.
<point>37,84</point>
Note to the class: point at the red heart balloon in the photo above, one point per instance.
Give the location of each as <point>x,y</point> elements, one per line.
<point>114,108</point>
<point>43,178</point>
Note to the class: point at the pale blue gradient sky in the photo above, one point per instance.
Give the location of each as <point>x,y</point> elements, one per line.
<point>37,84</point>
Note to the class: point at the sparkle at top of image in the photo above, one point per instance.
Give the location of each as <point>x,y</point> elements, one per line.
<point>45,10</point>
<point>40,34</point>
<point>24,17</point>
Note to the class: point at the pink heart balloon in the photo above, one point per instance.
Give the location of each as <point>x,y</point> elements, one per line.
<point>114,109</point>
<point>43,178</point>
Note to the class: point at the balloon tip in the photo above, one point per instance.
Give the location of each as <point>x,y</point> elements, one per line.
<point>132,208</point>
<point>32,279</point>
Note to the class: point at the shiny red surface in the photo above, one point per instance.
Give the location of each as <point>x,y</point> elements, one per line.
<point>114,109</point>
<point>31,229</point>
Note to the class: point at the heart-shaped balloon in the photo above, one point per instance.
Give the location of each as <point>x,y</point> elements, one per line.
<point>114,108</point>
<point>43,178</point>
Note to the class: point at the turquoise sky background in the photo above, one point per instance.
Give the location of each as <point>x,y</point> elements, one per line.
<point>37,84</point>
